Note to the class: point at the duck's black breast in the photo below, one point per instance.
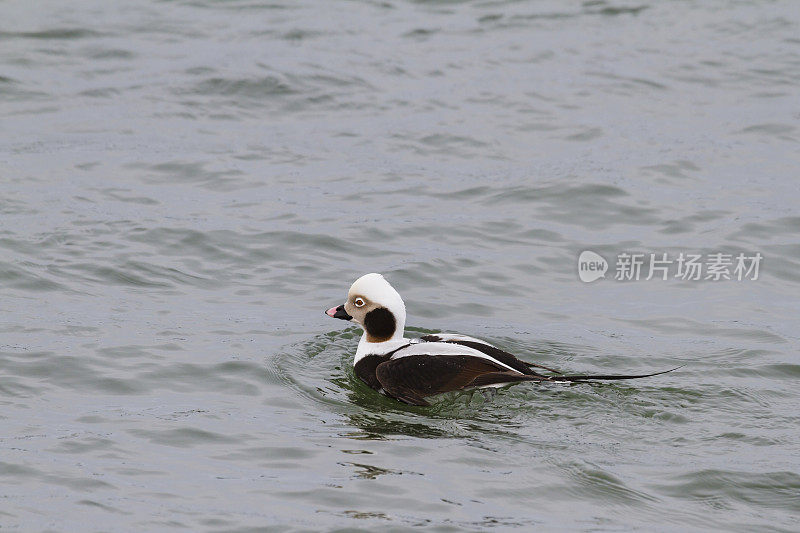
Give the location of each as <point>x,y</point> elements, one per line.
<point>365,369</point>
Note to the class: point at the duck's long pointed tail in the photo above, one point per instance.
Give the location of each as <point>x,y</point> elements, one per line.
<point>531,365</point>
<point>602,377</point>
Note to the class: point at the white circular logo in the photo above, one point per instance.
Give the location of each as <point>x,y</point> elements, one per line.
<point>591,266</point>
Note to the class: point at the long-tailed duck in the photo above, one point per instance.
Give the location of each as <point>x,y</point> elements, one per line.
<point>412,369</point>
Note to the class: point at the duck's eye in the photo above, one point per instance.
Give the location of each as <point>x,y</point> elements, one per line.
<point>359,302</point>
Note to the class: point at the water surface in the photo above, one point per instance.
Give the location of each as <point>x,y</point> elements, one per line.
<point>187,186</point>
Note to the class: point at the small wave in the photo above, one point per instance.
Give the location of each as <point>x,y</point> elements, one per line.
<point>770,490</point>
<point>55,33</point>
<point>254,88</point>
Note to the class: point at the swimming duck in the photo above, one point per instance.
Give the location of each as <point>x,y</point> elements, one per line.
<point>410,370</point>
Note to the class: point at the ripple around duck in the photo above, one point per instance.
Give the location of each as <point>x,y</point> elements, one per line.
<point>319,372</point>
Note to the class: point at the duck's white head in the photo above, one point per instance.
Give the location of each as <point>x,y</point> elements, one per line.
<point>375,306</point>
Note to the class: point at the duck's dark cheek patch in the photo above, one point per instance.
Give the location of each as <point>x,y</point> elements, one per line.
<point>380,323</point>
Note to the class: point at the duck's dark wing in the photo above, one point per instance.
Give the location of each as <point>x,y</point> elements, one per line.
<point>492,351</point>
<point>411,378</point>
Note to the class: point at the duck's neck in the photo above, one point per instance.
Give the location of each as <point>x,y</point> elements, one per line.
<point>366,347</point>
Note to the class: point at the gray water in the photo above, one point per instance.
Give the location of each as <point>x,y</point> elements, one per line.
<point>187,186</point>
